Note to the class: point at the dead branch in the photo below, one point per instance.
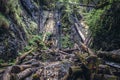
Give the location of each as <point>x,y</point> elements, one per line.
<point>79,32</point>
<point>22,57</point>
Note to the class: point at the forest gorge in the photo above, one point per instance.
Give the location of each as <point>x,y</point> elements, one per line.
<point>59,40</point>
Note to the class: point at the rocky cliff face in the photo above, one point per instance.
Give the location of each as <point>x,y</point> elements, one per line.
<point>18,21</point>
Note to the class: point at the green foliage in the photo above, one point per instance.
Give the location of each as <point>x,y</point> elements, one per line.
<point>104,25</point>
<point>66,42</point>
<point>27,48</point>
<point>35,41</point>
<point>14,10</point>
<point>93,20</point>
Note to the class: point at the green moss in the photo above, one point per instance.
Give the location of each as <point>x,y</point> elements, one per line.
<point>33,27</point>
<point>4,22</point>
<point>35,41</point>
<point>104,25</point>
<point>66,42</point>
<point>92,19</point>
<point>27,48</point>
<point>16,11</point>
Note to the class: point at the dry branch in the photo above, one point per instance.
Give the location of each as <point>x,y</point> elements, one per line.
<point>80,32</point>
<point>22,57</point>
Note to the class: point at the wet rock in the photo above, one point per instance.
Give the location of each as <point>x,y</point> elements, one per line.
<point>29,7</point>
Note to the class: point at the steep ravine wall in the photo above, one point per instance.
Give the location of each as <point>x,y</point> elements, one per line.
<point>17,24</point>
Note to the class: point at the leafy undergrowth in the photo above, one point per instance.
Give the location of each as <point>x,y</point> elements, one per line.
<point>35,42</point>
<point>104,25</point>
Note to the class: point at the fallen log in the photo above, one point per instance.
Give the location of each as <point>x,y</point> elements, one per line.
<point>22,57</point>
<point>19,68</point>
<point>110,56</point>
<point>8,75</point>
<point>88,39</point>
<point>26,73</point>
<point>80,32</point>
<point>4,65</point>
<point>10,72</point>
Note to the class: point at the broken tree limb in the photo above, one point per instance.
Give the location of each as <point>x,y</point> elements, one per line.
<point>80,32</point>
<point>88,39</point>
<point>82,36</point>
<point>10,72</point>
<point>22,57</point>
